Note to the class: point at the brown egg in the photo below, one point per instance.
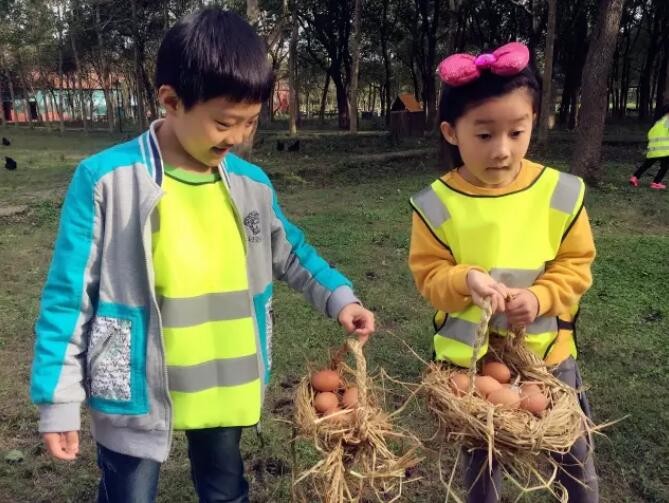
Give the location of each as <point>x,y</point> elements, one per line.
<point>325,380</point>
<point>459,383</point>
<point>486,385</point>
<point>533,399</point>
<point>326,402</point>
<point>350,397</point>
<point>506,397</point>
<point>496,370</point>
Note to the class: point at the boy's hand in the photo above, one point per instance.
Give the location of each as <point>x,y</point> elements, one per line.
<point>357,320</point>
<point>62,445</point>
<point>523,308</point>
<point>481,286</point>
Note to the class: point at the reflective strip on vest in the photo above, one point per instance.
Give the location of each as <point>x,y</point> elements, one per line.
<point>191,311</point>
<point>227,372</point>
<point>566,193</point>
<point>499,323</point>
<point>516,278</point>
<point>431,207</point>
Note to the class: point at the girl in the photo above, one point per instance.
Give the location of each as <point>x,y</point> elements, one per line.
<point>658,149</point>
<point>502,227</point>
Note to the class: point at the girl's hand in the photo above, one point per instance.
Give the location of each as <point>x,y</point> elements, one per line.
<point>523,308</point>
<point>482,286</point>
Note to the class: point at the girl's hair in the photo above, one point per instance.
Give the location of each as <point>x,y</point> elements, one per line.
<point>456,101</point>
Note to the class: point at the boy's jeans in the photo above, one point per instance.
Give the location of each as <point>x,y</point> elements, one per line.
<point>216,469</point>
<point>578,473</point>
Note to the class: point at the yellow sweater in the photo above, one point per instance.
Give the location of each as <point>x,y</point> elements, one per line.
<point>443,282</point>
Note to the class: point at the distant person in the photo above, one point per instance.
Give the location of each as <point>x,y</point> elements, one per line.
<point>658,150</point>
<point>504,228</point>
<point>157,310</point>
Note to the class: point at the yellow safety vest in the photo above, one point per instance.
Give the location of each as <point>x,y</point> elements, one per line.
<point>211,350</point>
<point>512,236</point>
<point>658,139</point>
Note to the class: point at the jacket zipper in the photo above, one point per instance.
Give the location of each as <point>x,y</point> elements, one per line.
<point>154,301</point>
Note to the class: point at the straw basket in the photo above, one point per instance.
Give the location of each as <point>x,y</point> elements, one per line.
<point>523,444</point>
<point>355,456</point>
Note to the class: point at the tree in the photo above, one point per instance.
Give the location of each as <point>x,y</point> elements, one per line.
<point>590,130</point>
<point>327,27</point>
<point>547,90</point>
<point>292,72</point>
<point>355,67</point>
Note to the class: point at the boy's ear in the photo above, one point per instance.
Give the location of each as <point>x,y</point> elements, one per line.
<point>169,99</point>
<point>448,132</point>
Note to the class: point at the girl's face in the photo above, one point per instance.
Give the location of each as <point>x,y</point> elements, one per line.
<point>493,138</point>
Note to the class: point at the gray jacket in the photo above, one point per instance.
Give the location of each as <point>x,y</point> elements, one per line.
<point>99,335</point>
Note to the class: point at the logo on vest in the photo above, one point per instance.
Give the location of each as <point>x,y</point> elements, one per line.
<point>252,223</point>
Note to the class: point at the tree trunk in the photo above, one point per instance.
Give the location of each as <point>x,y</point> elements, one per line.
<point>355,67</point>
<point>104,68</point>
<point>342,101</point>
<point>252,12</point>
<point>3,123</point>
<point>12,97</point>
<point>292,73</point>
<point>141,115</point>
<point>663,90</point>
<point>387,69</point>
<point>324,98</point>
<point>26,98</point>
<point>45,119</point>
<point>590,130</point>
<point>547,90</point>
<point>82,92</point>
<point>645,77</point>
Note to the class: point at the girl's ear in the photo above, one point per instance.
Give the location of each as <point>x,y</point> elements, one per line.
<point>448,132</point>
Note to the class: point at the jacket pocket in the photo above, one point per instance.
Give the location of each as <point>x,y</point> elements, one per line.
<point>116,360</point>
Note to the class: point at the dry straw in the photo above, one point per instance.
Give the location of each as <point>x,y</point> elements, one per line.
<point>356,458</point>
<point>523,444</point>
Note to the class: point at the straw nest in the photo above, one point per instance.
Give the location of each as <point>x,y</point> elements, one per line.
<point>523,444</point>
<point>356,457</point>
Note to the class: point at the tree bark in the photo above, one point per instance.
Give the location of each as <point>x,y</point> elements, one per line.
<point>547,90</point>
<point>3,123</point>
<point>141,115</point>
<point>81,93</point>
<point>324,98</point>
<point>590,130</point>
<point>12,96</point>
<point>355,67</point>
<point>292,73</point>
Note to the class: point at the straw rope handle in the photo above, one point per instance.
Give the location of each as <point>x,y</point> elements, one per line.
<point>355,348</point>
<point>360,369</point>
<point>481,332</point>
<point>516,335</point>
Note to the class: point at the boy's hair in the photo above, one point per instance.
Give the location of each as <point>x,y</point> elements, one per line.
<point>456,101</point>
<point>214,53</point>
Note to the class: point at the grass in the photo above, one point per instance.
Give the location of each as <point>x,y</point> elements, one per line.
<point>357,216</point>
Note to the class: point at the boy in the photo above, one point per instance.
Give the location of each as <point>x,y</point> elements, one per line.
<point>157,306</point>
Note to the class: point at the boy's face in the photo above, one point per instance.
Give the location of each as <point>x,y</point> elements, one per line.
<point>493,138</point>
<point>208,129</point>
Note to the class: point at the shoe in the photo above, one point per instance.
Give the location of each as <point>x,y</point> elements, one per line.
<point>658,186</point>
<point>634,181</point>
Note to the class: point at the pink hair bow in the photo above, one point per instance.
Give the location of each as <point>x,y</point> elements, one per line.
<point>460,69</point>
